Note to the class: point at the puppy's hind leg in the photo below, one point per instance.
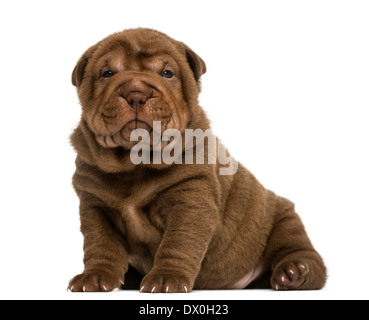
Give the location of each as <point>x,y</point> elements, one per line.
<point>294,262</point>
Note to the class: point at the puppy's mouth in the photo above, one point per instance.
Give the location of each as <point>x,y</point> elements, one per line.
<point>123,136</point>
<point>133,125</point>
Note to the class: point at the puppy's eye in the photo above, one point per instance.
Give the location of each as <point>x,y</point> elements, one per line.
<point>167,74</point>
<point>108,74</point>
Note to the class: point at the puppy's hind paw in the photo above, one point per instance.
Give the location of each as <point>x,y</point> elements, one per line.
<point>289,275</point>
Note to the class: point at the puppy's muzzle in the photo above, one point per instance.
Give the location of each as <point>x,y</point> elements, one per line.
<point>136,100</point>
<point>136,93</point>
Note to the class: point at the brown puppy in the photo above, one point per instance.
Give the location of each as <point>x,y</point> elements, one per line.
<point>182,226</point>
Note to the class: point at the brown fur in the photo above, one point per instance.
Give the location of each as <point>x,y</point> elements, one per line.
<point>181,226</point>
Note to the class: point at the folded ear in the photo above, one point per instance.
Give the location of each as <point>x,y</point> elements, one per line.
<point>197,65</point>
<point>79,70</point>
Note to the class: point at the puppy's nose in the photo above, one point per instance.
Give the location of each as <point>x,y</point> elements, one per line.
<point>136,99</point>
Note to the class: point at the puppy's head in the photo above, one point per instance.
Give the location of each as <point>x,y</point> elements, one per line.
<point>133,78</point>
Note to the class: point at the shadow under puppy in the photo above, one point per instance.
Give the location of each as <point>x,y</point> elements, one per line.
<point>181,226</point>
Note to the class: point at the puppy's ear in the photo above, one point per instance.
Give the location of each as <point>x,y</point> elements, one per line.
<point>79,70</point>
<point>197,65</point>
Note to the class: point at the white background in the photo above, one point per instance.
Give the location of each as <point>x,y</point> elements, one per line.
<point>286,90</point>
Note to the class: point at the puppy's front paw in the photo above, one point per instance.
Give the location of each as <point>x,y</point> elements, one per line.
<point>289,275</point>
<point>165,281</point>
<point>94,281</point>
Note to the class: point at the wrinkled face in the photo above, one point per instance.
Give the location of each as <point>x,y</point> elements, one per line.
<point>133,78</point>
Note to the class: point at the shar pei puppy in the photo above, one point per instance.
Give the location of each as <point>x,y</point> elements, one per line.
<point>181,224</point>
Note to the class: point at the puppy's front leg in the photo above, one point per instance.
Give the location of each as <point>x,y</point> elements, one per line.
<point>191,223</point>
<point>105,258</point>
